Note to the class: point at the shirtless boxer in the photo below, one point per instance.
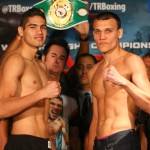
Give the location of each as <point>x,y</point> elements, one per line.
<point>60,58</point>
<point>56,122</point>
<point>146,60</point>
<point>25,88</point>
<point>119,84</point>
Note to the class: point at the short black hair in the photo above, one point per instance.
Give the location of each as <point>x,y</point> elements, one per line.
<point>57,41</point>
<point>85,55</point>
<point>60,98</point>
<point>109,15</point>
<point>146,55</point>
<point>31,13</point>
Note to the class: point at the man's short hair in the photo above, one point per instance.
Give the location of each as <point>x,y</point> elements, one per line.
<point>60,98</point>
<point>109,15</point>
<point>57,41</point>
<point>31,13</point>
<point>146,55</point>
<point>85,55</point>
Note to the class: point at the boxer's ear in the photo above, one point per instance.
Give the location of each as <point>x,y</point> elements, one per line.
<point>120,33</point>
<point>20,31</point>
<point>43,58</point>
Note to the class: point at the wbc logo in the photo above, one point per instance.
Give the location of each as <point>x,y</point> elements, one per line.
<point>63,14</point>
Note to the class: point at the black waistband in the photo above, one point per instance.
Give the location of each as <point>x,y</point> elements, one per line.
<point>27,137</point>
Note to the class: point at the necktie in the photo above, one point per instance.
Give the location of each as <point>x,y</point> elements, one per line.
<point>86,113</point>
<point>86,104</point>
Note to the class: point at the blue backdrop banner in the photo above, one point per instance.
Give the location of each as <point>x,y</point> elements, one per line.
<point>135,17</point>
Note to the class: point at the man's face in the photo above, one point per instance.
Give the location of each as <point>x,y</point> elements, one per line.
<point>83,66</point>
<point>106,35</point>
<point>34,33</point>
<point>147,64</point>
<point>56,59</point>
<point>55,108</point>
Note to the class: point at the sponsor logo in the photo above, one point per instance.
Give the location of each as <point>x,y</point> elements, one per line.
<point>105,6</point>
<point>14,9</point>
<point>75,46</point>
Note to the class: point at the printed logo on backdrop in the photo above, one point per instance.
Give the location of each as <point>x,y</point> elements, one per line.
<point>108,7</point>
<point>136,29</point>
<point>14,9</point>
<point>63,14</point>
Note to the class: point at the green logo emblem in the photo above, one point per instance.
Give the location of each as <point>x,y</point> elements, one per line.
<point>63,14</point>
